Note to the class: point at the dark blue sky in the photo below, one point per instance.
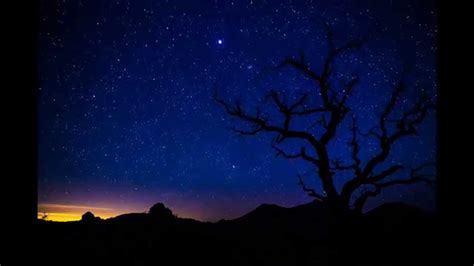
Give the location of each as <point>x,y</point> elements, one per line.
<point>126,116</point>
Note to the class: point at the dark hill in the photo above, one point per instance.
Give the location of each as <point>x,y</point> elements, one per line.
<point>130,217</point>
<point>271,212</point>
<point>263,214</point>
<point>268,235</point>
<point>395,209</point>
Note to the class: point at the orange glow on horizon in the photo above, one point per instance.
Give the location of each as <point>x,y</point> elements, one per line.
<point>68,213</point>
<point>73,212</point>
<point>60,217</point>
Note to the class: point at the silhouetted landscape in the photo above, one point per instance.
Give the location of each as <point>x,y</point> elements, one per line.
<point>392,234</point>
<point>214,107</point>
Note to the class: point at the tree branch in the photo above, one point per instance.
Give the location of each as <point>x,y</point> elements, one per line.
<point>406,126</point>
<point>413,178</point>
<point>302,154</point>
<point>338,166</point>
<point>261,124</point>
<point>311,192</point>
<point>384,174</point>
<point>333,103</point>
<point>355,148</point>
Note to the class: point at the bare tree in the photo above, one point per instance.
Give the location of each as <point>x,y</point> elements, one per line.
<point>330,112</point>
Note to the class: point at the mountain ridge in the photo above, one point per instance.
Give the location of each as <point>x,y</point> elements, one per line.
<point>267,235</point>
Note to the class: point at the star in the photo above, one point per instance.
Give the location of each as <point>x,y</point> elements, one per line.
<point>127,101</point>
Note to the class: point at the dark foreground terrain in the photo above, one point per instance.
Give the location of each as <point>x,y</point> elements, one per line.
<point>393,234</point>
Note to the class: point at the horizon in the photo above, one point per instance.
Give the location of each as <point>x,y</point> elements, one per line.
<point>77,216</point>
<point>69,214</point>
<point>126,116</point>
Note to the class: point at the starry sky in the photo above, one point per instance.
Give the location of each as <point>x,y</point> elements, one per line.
<point>125,110</point>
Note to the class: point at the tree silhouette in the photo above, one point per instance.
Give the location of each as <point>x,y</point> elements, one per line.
<point>329,115</point>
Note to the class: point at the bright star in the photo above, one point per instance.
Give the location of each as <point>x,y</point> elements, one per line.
<point>219,41</point>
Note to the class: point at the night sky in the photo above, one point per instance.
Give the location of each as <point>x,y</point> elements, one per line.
<point>126,116</point>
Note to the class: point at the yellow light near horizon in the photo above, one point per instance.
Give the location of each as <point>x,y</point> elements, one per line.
<point>66,217</point>
<point>71,212</point>
<point>60,217</point>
